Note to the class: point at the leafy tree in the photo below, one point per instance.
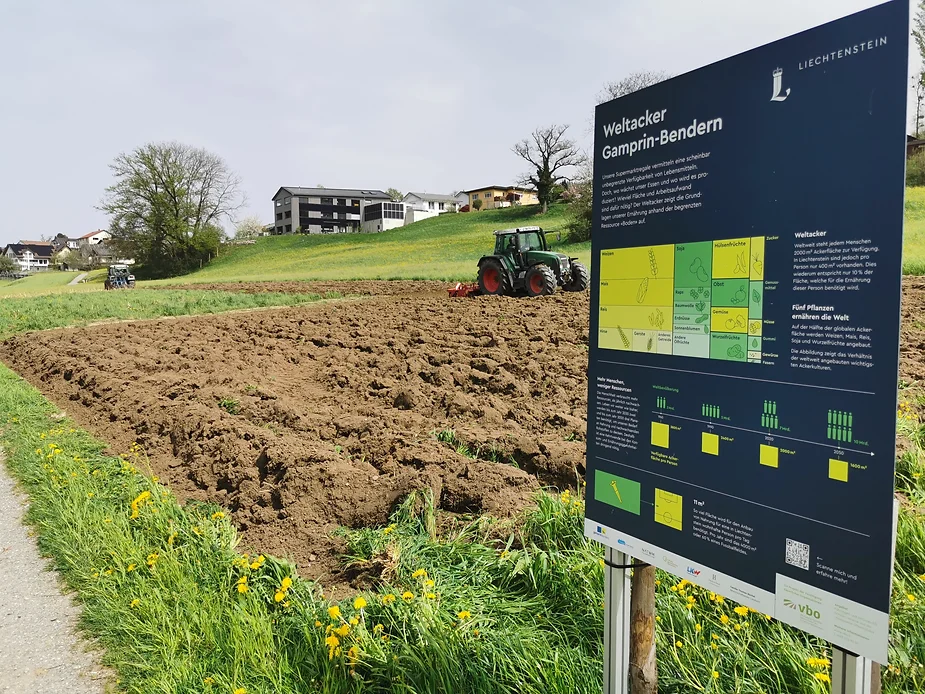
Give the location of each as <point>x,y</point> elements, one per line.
<point>394,194</point>
<point>477,204</point>
<point>167,205</point>
<point>248,228</point>
<point>7,265</point>
<point>918,34</point>
<point>549,152</point>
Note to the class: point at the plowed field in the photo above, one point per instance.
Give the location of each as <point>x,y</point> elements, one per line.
<point>302,419</point>
<point>306,418</point>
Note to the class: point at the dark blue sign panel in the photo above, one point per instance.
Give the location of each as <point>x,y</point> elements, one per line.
<point>745,323</point>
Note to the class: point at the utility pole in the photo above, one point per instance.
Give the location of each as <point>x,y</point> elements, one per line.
<point>643,673</point>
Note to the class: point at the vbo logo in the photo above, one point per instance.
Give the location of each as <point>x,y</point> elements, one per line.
<point>803,609</point>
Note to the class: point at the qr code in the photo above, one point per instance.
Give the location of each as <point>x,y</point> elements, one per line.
<point>797,554</point>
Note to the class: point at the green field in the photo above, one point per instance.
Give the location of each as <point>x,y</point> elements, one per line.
<point>51,282</point>
<point>441,248</point>
<point>914,232</point>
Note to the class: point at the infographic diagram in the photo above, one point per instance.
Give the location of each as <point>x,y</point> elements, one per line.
<point>701,299</point>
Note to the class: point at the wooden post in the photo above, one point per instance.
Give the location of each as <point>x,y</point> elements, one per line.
<point>643,673</point>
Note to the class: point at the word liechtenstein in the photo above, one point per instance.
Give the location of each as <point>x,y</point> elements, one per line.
<point>648,141</point>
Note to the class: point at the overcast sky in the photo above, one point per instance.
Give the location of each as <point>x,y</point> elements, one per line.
<point>422,95</point>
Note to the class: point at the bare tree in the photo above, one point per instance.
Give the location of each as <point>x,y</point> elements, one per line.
<point>549,152</point>
<point>631,83</point>
<point>168,203</point>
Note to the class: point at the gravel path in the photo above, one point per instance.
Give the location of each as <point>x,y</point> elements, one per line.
<point>79,277</point>
<point>41,651</point>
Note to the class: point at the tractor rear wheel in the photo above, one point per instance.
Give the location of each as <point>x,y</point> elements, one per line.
<point>493,279</point>
<point>540,280</point>
<point>580,278</point>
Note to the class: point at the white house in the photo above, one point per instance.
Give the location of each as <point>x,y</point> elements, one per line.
<point>31,257</point>
<point>94,237</point>
<point>434,202</point>
<point>379,216</point>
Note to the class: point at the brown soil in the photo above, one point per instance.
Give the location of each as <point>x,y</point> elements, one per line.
<point>337,407</point>
<point>357,288</point>
<point>338,403</point>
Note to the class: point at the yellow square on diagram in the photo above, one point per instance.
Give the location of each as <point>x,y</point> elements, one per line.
<point>709,443</point>
<point>730,258</point>
<point>768,455</point>
<point>660,434</point>
<point>838,470</point>
<point>669,509</point>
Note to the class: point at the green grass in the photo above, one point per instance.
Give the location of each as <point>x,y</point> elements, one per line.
<point>914,233</point>
<point>446,247</point>
<point>20,314</point>
<point>50,282</point>
<point>511,607</point>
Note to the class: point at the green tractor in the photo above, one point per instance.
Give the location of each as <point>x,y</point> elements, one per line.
<point>523,264</point>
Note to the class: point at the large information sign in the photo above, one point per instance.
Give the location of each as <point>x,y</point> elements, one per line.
<point>745,324</point>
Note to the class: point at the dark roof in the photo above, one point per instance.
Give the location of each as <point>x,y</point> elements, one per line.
<point>368,193</point>
<point>40,250</point>
<point>475,190</point>
<point>434,197</point>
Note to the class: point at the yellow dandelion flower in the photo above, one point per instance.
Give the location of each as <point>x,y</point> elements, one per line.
<point>465,614</point>
<point>720,599</point>
<point>388,599</point>
<point>317,623</point>
<point>922,577</point>
<point>505,553</point>
<point>258,562</point>
<point>378,629</point>
<point>822,677</point>
<point>218,515</point>
<point>334,612</point>
<point>359,603</point>
<point>430,596</point>
<point>428,583</point>
<point>817,662</point>
<point>151,560</point>
<point>741,611</point>
<point>386,531</point>
<point>737,627</point>
<point>353,653</point>
<point>407,596</point>
<point>678,644</point>
<point>768,617</point>
<point>724,619</point>
<point>342,630</point>
<point>698,628</point>
<point>475,632</point>
<point>910,597</point>
<point>286,584</point>
<point>279,596</point>
<point>134,603</point>
<point>242,588</point>
<point>420,573</point>
<point>354,621</point>
<point>208,680</point>
<point>240,690</point>
<point>715,675</point>
<point>714,646</point>
<point>657,618</point>
<point>714,637</point>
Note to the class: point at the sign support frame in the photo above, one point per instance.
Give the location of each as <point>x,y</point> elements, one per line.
<point>617,618</point>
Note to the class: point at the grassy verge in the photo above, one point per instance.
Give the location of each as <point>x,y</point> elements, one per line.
<point>914,232</point>
<point>55,311</point>
<point>485,607</point>
<point>51,282</point>
<point>446,247</point>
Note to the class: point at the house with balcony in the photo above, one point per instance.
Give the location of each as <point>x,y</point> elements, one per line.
<point>321,210</point>
<point>493,197</point>
<point>30,257</point>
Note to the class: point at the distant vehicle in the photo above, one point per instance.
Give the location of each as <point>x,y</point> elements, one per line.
<point>119,277</point>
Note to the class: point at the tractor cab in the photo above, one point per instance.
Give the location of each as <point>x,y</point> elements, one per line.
<point>520,240</point>
<point>119,277</point>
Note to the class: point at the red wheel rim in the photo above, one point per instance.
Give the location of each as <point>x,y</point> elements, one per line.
<point>491,279</point>
<point>536,283</point>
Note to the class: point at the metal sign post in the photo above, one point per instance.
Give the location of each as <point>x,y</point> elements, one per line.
<point>851,674</point>
<point>616,622</point>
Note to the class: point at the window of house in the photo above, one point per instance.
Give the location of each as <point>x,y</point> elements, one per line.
<point>287,201</point>
<point>279,215</point>
<point>355,203</point>
<point>430,205</point>
<point>341,201</point>
<point>475,196</point>
<point>288,228</point>
<point>288,214</point>
<point>327,201</point>
<point>279,203</point>
<point>442,206</point>
<point>279,230</point>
